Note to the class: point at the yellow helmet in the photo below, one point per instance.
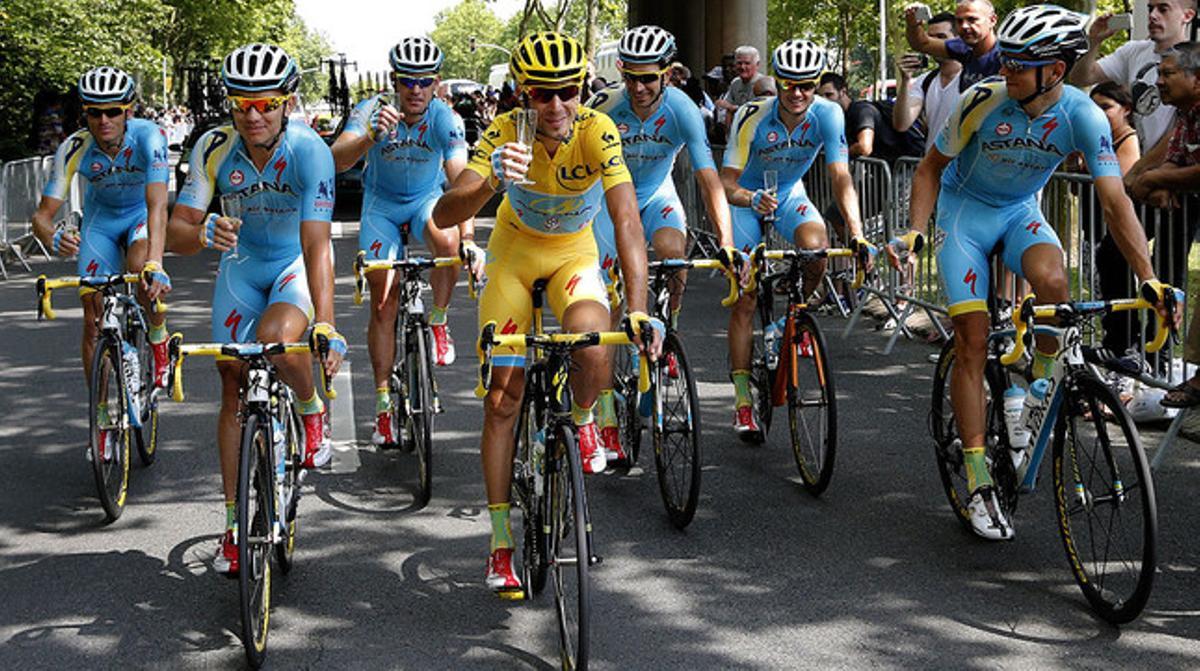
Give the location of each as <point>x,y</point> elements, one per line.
<point>548,59</point>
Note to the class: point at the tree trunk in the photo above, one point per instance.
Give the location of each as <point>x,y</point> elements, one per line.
<point>589,35</point>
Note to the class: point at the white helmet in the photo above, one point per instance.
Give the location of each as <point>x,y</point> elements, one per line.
<point>799,60</point>
<point>1044,31</point>
<point>260,67</point>
<point>415,56</point>
<point>105,85</point>
<point>646,44</point>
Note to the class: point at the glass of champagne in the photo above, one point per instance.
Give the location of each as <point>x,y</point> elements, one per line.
<point>231,207</point>
<point>527,120</point>
<point>771,186</point>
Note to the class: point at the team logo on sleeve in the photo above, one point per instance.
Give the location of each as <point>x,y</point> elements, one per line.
<point>324,194</point>
<point>1003,128</point>
<point>237,177</point>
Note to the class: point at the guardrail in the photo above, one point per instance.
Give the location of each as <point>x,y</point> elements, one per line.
<point>21,184</point>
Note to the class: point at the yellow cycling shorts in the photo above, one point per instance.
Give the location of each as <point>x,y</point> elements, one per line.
<point>516,258</point>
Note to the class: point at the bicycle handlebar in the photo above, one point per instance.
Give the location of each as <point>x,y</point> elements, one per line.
<point>177,351</point>
<point>1024,316</point>
<point>731,275</point>
<point>761,254</point>
<point>488,339</point>
<point>45,290</point>
<point>362,267</point>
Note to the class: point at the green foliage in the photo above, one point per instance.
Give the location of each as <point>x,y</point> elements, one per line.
<point>47,44</point>
<point>453,29</point>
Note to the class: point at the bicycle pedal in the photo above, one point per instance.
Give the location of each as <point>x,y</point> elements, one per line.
<point>512,595</point>
<point>595,559</point>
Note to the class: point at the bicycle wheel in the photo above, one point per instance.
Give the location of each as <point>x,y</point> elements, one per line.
<point>528,489</point>
<point>812,404</point>
<point>761,381</point>
<point>286,547</point>
<point>420,404</point>
<point>147,435</point>
<point>255,490</point>
<point>569,551</point>
<point>109,427</point>
<point>625,391</point>
<point>1104,494</point>
<point>677,433</point>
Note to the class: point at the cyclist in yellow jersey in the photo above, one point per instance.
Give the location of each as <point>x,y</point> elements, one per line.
<point>543,232</point>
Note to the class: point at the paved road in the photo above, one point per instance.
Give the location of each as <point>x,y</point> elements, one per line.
<point>874,574</point>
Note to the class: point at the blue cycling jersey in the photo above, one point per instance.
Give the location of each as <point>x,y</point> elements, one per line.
<point>408,163</point>
<point>115,184</point>
<point>295,185</point>
<point>650,146</point>
<point>1002,157</point>
<point>759,141</point>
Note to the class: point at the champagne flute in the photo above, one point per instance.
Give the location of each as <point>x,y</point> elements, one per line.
<point>526,120</point>
<point>231,207</point>
<point>771,186</point>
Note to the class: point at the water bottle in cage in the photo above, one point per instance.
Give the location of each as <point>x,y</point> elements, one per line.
<point>133,382</point>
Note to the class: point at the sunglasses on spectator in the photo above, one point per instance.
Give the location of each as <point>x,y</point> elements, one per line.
<point>788,84</point>
<point>110,112</point>
<point>643,77</point>
<point>414,82</point>
<point>1016,64</point>
<point>546,95</point>
<point>262,105</point>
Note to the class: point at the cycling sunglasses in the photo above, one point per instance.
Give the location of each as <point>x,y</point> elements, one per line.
<point>787,84</point>
<point>643,77</point>
<point>110,112</point>
<point>414,82</point>
<point>545,95</point>
<point>263,105</point>
<point>1016,64</point>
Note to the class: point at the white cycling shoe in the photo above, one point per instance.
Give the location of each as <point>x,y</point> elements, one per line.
<point>987,518</point>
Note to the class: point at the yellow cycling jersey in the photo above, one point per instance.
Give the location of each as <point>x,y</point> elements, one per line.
<point>568,188</point>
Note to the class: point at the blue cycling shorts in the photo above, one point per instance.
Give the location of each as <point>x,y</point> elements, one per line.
<point>379,235</point>
<point>795,210</point>
<point>247,285</point>
<point>663,209</point>
<point>105,236</point>
<point>973,230</point>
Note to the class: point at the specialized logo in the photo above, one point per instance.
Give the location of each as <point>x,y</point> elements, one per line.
<point>1049,128</point>
<point>92,267</point>
<point>658,124</point>
<point>128,153</point>
<point>279,166</point>
<point>969,280</point>
<point>421,132</point>
<point>666,211</point>
<point>286,280</point>
<point>233,322</point>
<point>1033,227</point>
<point>237,177</point>
<point>509,328</point>
<point>376,246</point>
<point>803,208</point>
<point>572,284</point>
<point>1003,128</point>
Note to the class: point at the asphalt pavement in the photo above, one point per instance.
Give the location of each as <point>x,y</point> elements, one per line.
<point>874,574</point>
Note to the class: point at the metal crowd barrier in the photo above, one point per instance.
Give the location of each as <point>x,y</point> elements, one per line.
<point>21,184</point>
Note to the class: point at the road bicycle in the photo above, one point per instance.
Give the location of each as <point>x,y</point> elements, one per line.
<point>790,362</point>
<point>412,386</point>
<point>122,397</point>
<point>673,408</point>
<point>547,484</point>
<point>270,471</point>
<point>1103,489</point>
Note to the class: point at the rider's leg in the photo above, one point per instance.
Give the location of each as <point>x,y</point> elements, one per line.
<point>442,242</point>
<point>967,391</point>
<point>812,235</point>
<point>1032,246</point>
<point>381,329</point>
<point>671,243</point>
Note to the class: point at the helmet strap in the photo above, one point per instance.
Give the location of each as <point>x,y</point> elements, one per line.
<point>1041,86</point>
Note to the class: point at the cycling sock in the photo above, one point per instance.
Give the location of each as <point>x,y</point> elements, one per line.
<point>157,334</point>
<point>437,316</point>
<point>230,514</point>
<point>675,318</point>
<point>606,413</point>
<point>1043,364</point>
<point>581,416</point>
<point>501,526</point>
<point>741,388</point>
<point>383,399</point>
<point>102,414</point>
<point>312,406</point>
<point>977,472</point>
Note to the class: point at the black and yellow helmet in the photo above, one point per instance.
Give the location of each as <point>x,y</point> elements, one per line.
<point>548,59</point>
